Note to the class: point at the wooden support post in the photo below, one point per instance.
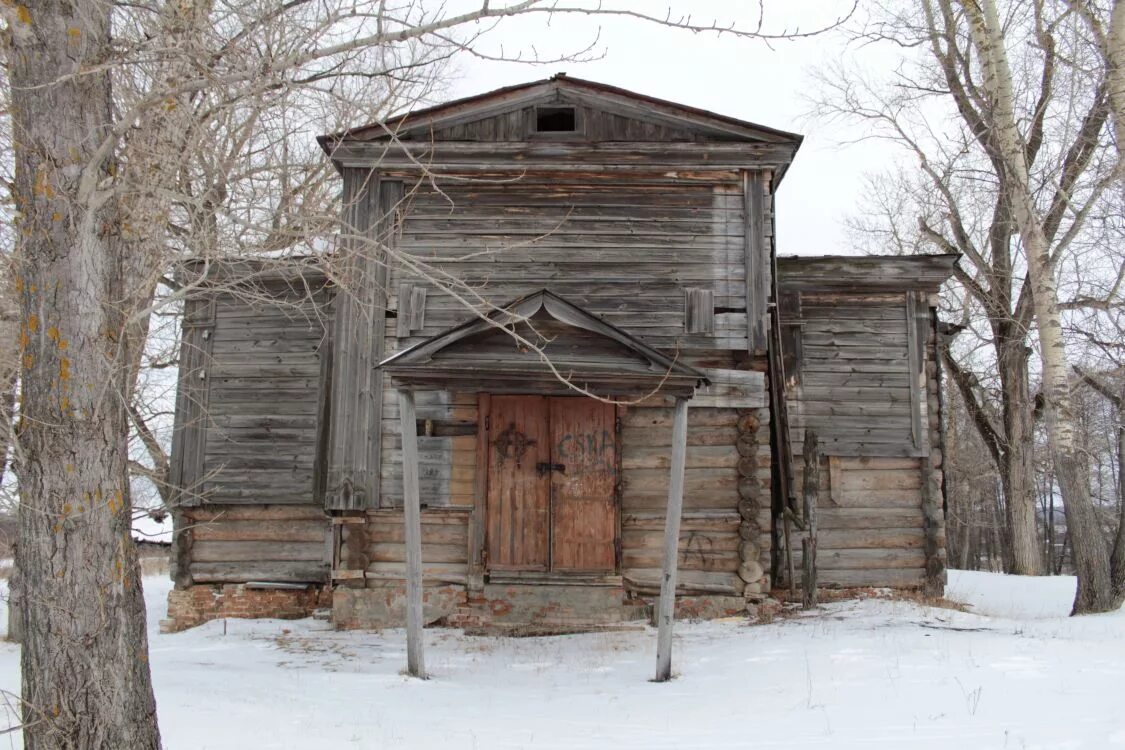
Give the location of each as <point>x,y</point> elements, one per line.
<point>808,544</point>
<point>412,517</point>
<point>671,543</point>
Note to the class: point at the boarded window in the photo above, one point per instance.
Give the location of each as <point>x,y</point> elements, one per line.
<point>699,311</point>
<point>411,309</point>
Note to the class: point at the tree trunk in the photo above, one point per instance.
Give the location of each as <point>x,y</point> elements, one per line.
<point>1117,558</point>
<point>85,672</point>
<point>1115,60</point>
<point>1088,545</point>
<point>1017,468</point>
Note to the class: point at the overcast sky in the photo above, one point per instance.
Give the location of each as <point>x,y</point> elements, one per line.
<point>737,77</point>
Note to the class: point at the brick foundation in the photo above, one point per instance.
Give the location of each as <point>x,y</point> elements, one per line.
<point>198,604</point>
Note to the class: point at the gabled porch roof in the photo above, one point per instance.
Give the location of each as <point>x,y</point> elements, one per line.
<point>532,344</point>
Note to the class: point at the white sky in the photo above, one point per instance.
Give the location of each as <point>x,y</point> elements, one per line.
<point>736,77</point>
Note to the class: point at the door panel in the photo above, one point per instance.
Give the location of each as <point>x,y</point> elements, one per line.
<point>584,452</point>
<point>518,494</point>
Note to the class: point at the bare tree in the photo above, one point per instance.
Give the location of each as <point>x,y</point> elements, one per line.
<point>134,123</point>
<point>1007,167</point>
<point>84,647</point>
<point>1096,588</point>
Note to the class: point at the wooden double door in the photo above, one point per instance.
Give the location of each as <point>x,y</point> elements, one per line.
<point>552,473</point>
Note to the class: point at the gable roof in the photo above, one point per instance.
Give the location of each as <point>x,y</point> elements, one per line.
<point>661,370</point>
<point>510,97</point>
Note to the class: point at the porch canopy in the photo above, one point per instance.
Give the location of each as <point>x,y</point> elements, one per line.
<point>542,344</point>
<point>532,345</point>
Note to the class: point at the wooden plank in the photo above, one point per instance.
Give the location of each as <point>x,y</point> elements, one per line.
<point>583,508</point>
<point>259,530</point>
<point>204,551</point>
<point>915,356</point>
<point>272,571</point>
<point>518,495</point>
<point>810,485</point>
<point>412,518</point>
<point>667,603</point>
<point>757,266</point>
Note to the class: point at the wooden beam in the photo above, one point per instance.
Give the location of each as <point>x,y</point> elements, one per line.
<point>412,517</point>
<point>671,543</point>
<point>808,544</point>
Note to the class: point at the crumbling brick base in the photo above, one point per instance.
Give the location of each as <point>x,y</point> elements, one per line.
<point>198,604</point>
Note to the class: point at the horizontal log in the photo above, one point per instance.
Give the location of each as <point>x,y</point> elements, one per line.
<point>698,457</point>
<point>689,560</point>
<point>261,531</point>
<point>432,572</point>
<point>256,513</point>
<point>432,553</point>
<point>647,581</point>
<point>209,550</point>
<point>871,538</point>
<point>834,517</point>
<point>865,559</point>
<point>891,578</point>
<point>662,417</point>
<point>240,572</point>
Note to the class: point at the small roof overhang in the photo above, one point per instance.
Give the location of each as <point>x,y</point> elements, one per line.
<point>621,366</point>
<point>864,273</point>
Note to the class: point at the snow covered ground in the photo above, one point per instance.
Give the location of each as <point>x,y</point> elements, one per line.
<point>1017,673</point>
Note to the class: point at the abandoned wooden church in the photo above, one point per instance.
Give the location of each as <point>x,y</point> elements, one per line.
<point>554,332</point>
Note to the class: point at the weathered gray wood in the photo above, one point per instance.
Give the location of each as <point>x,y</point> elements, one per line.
<point>354,453</point>
<point>667,602</point>
<point>757,260</point>
<point>189,436</point>
<point>412,520</point>
<point>699,310</point>
<point>915,356</point>
<point>810,486</point>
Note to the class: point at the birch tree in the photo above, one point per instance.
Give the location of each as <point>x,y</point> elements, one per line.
<point>1014,171</point>
<point>1096,589</point>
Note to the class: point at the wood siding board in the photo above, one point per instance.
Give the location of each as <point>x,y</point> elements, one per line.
<point>583,512</point>
<point>518,495</point>
<point>753,253</point>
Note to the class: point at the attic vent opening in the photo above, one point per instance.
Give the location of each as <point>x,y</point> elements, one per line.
<point>555,120</point>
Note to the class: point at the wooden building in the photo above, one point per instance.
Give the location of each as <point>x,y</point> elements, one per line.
<point>555,308</point>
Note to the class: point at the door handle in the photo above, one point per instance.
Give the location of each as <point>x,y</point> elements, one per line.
<point>544,467</point>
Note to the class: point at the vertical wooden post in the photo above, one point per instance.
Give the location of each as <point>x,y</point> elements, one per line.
<point>671,543</point>
<point>412,518</point>
<point>808,544</point>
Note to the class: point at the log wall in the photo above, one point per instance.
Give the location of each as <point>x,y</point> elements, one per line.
<point>864,376</point>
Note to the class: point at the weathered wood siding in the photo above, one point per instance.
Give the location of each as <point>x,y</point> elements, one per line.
<point>238,544</point>
<point>857,377</point>
<point>248,443</point>
<point>623,248</point>
<point>864,377</point>
<point>593,123</point>
<point>254,416</point>
<point>445,546</point>
<point>359,306</point>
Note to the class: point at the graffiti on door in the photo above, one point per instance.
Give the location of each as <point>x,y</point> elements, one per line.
<point>590,450</point>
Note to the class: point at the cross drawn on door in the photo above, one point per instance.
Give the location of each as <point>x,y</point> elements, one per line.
<point>552,473</point>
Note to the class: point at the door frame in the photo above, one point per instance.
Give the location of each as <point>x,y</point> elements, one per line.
<point>478,537</point>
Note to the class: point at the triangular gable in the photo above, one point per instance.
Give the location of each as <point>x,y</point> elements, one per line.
<point>621,358</point>
<point>668,120</point>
